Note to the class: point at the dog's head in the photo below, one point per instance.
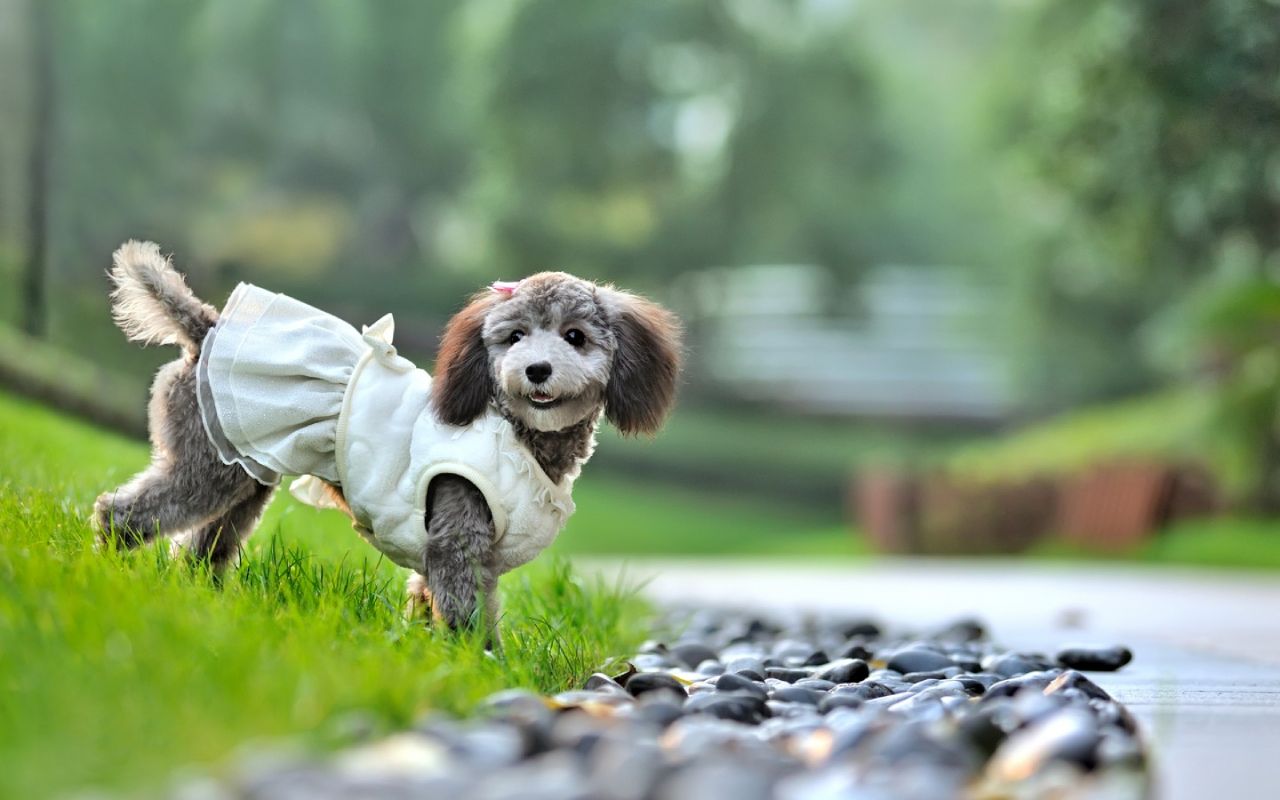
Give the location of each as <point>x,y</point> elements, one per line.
<point>554,350</point>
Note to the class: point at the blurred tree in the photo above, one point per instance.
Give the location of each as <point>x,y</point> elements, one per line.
<point>124,104</point>
<point>664,136</point>
<point>389,155</point>
<point>1231,331</point>
<point>39,166</point>
<point>1152,125</point>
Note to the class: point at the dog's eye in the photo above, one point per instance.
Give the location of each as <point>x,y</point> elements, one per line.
<point>575,337</point>
<point>515,337</point>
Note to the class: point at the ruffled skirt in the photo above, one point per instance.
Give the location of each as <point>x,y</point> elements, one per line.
<point>270,384</point>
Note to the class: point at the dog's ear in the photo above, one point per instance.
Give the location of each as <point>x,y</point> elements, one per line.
<point>646,364</point>
<point>463,382</point>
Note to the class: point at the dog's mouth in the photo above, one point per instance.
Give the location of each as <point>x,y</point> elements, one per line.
<point>542,400</point>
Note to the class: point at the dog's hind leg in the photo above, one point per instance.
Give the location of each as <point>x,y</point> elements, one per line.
<point>187,486</point>
<point>218,541</point>
<point>159,503</point>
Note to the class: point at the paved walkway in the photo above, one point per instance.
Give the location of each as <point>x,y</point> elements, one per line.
<point>1205,679</point>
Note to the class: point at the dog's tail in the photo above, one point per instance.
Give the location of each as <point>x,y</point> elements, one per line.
<point>151,302</point>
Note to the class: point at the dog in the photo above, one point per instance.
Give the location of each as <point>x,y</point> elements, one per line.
<point>459,477</point>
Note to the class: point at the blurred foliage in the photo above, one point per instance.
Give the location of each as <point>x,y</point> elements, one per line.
<point>1232,330</point>
<point>335,141</point>
<point>1151,128</point>
<point>1157,426</point>
<point>1221,542</point>
<point>1155,125</point>
<point>1107,166</point>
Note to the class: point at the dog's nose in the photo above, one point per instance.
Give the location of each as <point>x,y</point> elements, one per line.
<point>538,372</point>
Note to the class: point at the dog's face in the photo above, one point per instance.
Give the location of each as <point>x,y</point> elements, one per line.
<point>554,350</point>
<point>550,348</point>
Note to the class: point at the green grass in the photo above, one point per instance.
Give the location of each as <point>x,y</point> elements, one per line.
<point>1250,544</point>
<point>118,668</point>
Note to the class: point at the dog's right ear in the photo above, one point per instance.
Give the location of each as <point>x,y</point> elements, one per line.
<point>464,383</point>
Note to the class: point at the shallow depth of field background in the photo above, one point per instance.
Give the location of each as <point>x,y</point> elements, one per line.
<point>985,240</point>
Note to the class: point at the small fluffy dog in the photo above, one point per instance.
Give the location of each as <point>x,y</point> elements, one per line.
<point>460,477</point>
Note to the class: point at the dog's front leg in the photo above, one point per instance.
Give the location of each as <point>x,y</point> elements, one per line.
<point>459,567</point>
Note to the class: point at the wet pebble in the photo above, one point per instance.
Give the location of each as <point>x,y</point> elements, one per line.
<point>1070,735</point>
<point>786,674</point>
<point>745,664</point>
<point>917,659</point>
<point>846,670</point>
<point>643,682</point>
<point>1011,664</point>
<point>693,653</point>
<point>1094,659</point>
<point>732,682</point>
<point>858,650</point>
<point>796,694</point>
<point>1072,680</point>
<point>736,708</point>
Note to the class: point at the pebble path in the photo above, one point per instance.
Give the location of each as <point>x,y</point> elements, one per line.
<point>743,707</point>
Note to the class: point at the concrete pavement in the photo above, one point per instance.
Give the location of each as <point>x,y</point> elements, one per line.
<point>1205,680</point>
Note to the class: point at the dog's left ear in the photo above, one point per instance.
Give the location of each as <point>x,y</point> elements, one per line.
<point>463,382</point>
<point>646,364</point>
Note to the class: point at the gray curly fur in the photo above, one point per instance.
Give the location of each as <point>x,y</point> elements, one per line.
<point>625,371</point>
<point>152,304</point>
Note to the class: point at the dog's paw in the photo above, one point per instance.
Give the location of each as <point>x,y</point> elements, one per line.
<point>417,607</point>
<point>111,523</point>
<point>102,519</point>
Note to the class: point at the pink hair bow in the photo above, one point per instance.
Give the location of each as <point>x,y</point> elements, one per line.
<point>505,287</point>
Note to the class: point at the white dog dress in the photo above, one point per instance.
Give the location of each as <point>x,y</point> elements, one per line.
<point>286,389</point>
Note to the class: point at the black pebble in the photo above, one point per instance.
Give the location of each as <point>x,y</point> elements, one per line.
<point>795,694</point>
<point>918,659</point>
<point>1095,659</point>
<point>599,682</point>
<point>758,627</point>
<point>817,659</point>
<point>1012,664</point>
<point>834,701</point>
<point>736,682</point>
<point>1035,681</point>
<point>845,671</point>
<point>983,729</point>
<point>785,674</point>
<point>816,684</point>
<point>1075,680</point>
<point>693,654</point>
<point>962,630</point>
<point>643,682</point>
<point>934,675</point>
<point>867,690</point>
<point>661,714</point>
<point>738,709</point>
<point>987,679</point>
<point>858,650</point>
<point>975,688</point>
<point>868,630</point>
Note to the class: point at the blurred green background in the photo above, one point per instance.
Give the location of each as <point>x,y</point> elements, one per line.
<point>992,239</point>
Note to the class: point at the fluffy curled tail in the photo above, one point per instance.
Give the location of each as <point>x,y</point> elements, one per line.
<point>152,304</point>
